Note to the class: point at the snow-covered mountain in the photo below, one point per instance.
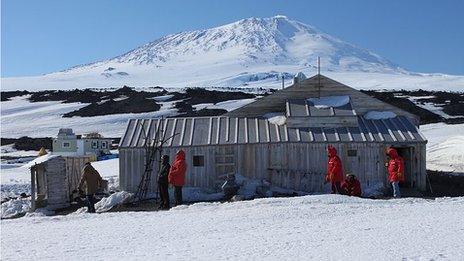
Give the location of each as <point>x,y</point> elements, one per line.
<point>249,52</point>
<point>250,42</point>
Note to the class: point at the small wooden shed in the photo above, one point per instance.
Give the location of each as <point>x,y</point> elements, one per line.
<point>288,151</point>
<point>53,178</point>
<point>48,182</point>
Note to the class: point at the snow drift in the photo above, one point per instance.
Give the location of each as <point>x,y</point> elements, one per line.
<point>325,227</point>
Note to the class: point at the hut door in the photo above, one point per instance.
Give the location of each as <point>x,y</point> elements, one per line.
<point>275,156</point>
<point>224,161</point>
<point>409,169</point>
<point>277,171</point>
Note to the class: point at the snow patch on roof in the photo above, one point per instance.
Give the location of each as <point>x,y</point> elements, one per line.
<point>40,160</point>
<point>277,118</point>
<point>329,101</point>
<point>379,115</point>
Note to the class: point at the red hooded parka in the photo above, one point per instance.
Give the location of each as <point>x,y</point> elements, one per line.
<point>177,172</point>
<point>352,187</point>
<point>334,166</point>
<point>395,166</point>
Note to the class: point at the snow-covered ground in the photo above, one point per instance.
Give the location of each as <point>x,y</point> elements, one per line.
<point>44,119</point>
<point>445,147</point>
<point>323,227</point>
<point>20,117</point>
<point>147,76</point>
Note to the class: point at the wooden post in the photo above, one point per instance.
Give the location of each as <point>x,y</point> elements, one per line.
<point>32,189</point>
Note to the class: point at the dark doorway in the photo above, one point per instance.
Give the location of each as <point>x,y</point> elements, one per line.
<point>407,154</point>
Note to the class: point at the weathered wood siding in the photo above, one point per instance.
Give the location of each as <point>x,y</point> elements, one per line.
<point>299,166</point>
<point>56,189</point>
<point>74,167</point>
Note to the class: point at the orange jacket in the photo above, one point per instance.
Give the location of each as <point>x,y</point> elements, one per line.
<point>334,166</point>
<point>177,172</point>
<point>395,166</point>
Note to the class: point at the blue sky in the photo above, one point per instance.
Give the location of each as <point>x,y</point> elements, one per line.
<point>44,36</point>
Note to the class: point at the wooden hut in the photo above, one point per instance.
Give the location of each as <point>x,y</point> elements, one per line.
<point>49,182</point>
<point>289,150</point>
<point>53,179</point>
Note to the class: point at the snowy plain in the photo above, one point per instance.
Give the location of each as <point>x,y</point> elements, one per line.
<point>323,227</point>
<point>20,117</point>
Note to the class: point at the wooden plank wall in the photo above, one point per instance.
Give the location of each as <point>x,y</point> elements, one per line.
<point>299,166</point>
<point>57,189</point>
<point>73,170</point>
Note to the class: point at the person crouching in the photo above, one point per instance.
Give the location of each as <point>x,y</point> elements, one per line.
<point>351,186</point>
<point>176,176</point>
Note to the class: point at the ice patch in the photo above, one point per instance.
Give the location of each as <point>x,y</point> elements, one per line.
<point>15,207</point>
<point>194,194</point>
<point>40,212</point>
<point>163,98</point>
<point>329,101</point>
<point>114,199</point>
<point>379,115</point>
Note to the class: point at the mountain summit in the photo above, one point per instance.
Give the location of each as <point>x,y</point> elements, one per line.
<point>253,52</point>
<point>256,41</point>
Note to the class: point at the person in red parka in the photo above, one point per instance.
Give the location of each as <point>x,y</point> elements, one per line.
<point>334,170</point>
<point>351,186</point>
<point>395,167</point>
<point>176,176</point>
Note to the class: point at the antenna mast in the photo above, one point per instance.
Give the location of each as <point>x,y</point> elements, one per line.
<point>319,76</point>
<point>283,84</point>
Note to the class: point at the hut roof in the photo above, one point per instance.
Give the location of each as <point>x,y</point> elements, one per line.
<point>314,87</point>
<point>198,131</point>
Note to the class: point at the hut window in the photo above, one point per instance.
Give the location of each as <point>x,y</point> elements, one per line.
<point>66,144</point>
<point>198,161</point>
<point>352,153</point>
<point>104,145</point>
<point>94,144</point>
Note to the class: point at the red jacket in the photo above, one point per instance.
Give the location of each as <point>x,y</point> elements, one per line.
<point>177,172</point>
<point>395,166</point>
<point>334,166</point>
<point>352,188</point>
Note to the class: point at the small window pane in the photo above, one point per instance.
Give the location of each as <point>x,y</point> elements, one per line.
<point>66,144</point>
<point>198,161</point>
<point>94,144</point>
<point>352,153</point>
